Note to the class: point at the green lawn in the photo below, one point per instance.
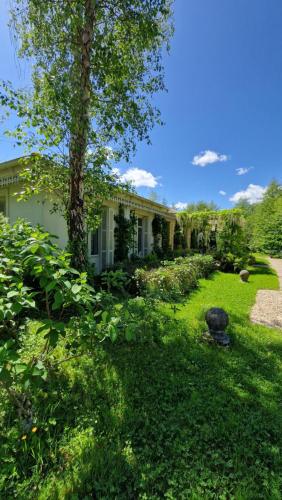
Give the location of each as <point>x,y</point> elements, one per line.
<point>177,419</point>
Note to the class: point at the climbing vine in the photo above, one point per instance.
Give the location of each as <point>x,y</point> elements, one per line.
<point>179,238</point>
<point>165,237</point>
<point>125,232</point>
<point>157,233</point>
<point>221,232</point>
<point>160,230</point>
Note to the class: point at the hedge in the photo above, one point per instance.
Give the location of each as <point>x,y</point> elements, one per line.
<point>174,279</point>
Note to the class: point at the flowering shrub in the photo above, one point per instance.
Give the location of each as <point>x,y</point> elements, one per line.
<point>174,278</point>
<point>204,265</point>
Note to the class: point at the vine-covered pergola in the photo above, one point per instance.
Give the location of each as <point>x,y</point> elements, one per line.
<point>201,230</point>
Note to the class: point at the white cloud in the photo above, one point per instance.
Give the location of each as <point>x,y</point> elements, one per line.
<point>243,171</point>
<point>252,194</point>
<point>139,178</point>
<point>180,205</point>
<point>207,158</point>
<point>223,193</point>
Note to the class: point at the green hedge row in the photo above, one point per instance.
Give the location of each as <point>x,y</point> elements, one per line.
<point>174,279</point>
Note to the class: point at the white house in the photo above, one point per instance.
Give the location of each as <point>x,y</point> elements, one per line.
<point>101,242</point>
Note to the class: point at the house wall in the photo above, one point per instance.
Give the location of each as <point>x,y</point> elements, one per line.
<point>38,210</point>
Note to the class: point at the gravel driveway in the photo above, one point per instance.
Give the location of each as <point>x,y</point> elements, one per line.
<point>268,307</point>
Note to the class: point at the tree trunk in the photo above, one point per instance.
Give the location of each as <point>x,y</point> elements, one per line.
<point>79,138</point>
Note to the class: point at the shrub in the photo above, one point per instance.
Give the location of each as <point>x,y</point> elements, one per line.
<point>230,263</point>
<point>175,278</point>
<point>265,222</point>
<point>36,277</point>
<point>204,265</point>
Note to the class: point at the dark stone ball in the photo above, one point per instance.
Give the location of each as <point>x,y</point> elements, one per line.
<point>244,275</point>
<point>217,319</point>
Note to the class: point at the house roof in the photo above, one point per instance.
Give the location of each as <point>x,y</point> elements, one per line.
<point>130,198</point>
<point>10,163</point>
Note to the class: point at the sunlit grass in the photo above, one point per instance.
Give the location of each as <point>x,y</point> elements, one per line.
<point>177,419</point>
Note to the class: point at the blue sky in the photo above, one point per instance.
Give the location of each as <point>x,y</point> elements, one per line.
<point>223,108</point>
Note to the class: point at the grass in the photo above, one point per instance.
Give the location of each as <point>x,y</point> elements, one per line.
<point>176,419</point>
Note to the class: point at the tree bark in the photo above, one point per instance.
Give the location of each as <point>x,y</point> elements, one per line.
<point>79,139</point>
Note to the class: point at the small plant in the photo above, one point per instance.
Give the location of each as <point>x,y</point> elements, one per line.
<point>115,280</point>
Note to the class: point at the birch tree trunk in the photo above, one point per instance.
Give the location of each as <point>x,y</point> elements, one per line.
<point>79,139</point>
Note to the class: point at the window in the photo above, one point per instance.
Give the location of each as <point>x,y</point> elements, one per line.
<point>3,205</point>
<point>95,242</point>
<point>140,235</point>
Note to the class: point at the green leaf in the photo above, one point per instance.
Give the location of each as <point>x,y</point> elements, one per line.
<point>20,368</point>
<point>58,300</point>
<point>5,375</point>
<point>51,286</point>
<point>53,337</point>
<point>76,288</point>
<point>45,327</point>
<point>17,307</point>
<point>33,248</point>
<point>13,293</point>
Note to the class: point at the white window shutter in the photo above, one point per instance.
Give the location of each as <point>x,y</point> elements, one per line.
<point>111,241</point>
<point>146,238</point>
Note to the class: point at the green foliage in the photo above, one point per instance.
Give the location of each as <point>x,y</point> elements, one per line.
<point>204,264</point>
<point>222,233</point>
<point>160,230</point>
<point>200,206</point>
<point>174,279</point>
<point>165,237</point>
<point>96,66</point>
<point>231,245</point>
<point>124,232</point>
<point>265,222</point>
<point>115,280</point>
<point>157,231</point>
<point>172,419</point>
<point>179,238</point>
<point>35,278</point>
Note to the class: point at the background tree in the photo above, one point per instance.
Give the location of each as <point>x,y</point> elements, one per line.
<point>245,206</point>
<point>95,66</point>
<point>153,196</point>
<point>265,222</point>
<point>200,206</point>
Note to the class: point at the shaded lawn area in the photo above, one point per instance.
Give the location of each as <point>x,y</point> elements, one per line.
<point>177,419</point>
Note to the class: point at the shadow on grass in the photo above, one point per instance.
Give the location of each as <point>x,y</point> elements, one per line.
<point>263,270</point>
<point>178,419</point>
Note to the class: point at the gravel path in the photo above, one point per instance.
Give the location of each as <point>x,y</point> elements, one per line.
<point>268,307</point>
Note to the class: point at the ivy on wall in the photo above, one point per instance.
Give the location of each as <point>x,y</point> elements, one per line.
<point>160,230</point>
<point>179,238</point>
<point>125,232</point>
<point>165,237</point>
<point>157,233</point>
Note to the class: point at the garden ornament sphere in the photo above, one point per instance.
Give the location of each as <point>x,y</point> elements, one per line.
<point>217,320</point>
<point>244,275</point>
